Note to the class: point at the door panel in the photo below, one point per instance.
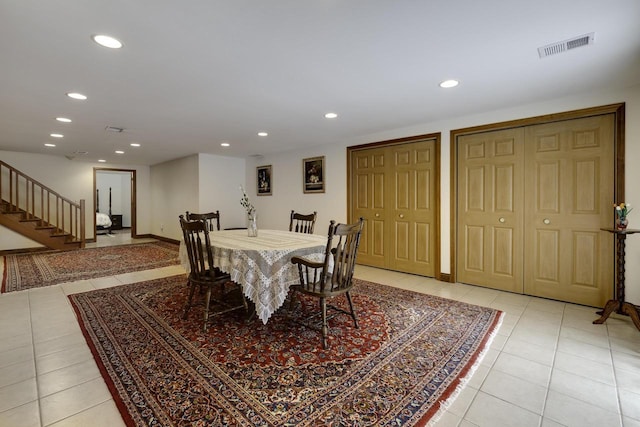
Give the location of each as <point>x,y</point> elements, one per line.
<point>413,217</point>
<point>570,175</point>
<point>369,192</point>
<point>490,192</point>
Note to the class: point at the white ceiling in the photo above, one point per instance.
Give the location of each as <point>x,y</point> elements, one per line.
<point>195,73</point>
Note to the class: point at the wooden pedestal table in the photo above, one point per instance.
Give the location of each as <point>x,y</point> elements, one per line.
<point>618,304</point>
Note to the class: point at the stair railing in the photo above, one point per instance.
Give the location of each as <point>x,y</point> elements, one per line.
<point>37,201</point>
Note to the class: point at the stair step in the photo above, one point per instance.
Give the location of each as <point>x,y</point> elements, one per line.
<point>45,227</point>
<point>60,234</point>
<point>30,220</point>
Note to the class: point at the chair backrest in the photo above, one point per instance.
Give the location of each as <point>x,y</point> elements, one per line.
<point>212,219</point>
<point>342,248</point>
<point>301,223</point>
<point>196,239</point>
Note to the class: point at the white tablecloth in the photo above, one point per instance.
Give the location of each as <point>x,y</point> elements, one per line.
<point>262,264</point>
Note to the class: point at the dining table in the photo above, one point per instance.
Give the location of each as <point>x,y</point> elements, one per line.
<point>262,264</point>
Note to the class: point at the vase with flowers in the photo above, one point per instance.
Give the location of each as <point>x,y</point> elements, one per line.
<point>252,216</point>
<point>622,210</point>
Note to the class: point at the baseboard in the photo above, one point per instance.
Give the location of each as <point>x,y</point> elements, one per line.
<point>161,238</point>
<point>25,251</point>
<point>444,277</point>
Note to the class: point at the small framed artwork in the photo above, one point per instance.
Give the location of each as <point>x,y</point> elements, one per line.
<point>313,169</point>
<point>263,180</point>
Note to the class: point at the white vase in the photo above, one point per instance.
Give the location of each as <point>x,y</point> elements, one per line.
<point>621,223</point>
<point>252,224</point>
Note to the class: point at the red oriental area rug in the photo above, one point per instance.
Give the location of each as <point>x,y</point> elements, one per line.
<point>29,271</point>
<point>411,353</point>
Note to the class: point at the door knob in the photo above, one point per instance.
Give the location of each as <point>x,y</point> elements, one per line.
<point>547,221</point>
<point>401,216</point>
<point>502,220</point>
<point>377,215</point>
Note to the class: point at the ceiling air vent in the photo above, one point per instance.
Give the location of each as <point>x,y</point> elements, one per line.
<point>559,47</point>
<point>113,129</point>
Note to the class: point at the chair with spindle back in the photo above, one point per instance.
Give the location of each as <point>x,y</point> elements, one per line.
<point>198,245</point>
<point>302,223</point>
<point>331,277</point>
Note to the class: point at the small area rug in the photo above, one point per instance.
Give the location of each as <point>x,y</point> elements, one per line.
<point>411,353</point>
<point>27,271</point>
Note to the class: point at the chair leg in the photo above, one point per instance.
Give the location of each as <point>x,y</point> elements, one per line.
<point>325,326</point>
<point>353,312</point>
<point>189,300</point>
<point>292,301</point>
<point>207,301</point>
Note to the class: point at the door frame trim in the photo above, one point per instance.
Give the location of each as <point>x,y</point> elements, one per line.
<point>618,110</point>
<point>437,136</point>
<point>134,211</point>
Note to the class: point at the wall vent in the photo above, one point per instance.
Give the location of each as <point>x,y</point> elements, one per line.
<point>563,46</point>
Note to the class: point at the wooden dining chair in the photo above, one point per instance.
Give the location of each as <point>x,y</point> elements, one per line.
<point>212,219</point>
<point>198,245</point>
<point>301,223</point>
<point>333,276</point>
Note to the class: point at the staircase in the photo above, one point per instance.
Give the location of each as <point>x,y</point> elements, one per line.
<point>39,213</point>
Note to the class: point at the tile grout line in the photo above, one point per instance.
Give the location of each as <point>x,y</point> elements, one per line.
<point>35,364</point>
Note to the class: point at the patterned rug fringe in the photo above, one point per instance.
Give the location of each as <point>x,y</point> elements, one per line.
<point>464,380</point>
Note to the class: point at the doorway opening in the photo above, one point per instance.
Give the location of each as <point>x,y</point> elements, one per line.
<point>114,194</point>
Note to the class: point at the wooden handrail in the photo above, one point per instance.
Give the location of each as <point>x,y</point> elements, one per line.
<point>68,216</point>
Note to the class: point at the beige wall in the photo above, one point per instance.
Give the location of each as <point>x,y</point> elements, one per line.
<point>220,179</point>
<point>174,190</point>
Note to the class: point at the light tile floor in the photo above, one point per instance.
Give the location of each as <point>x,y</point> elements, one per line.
<point>548,365</point>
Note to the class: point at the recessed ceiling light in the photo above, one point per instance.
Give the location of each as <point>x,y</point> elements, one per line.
<point>102,161</point>
<point>107,41</point>
<point>63,119</point>
<point>262,134</point>
<point>119,152</point>
<point>57,135</point>
<point>48,144</point>
<point>449,83</point>
<point>135,144</point>
<point>225,144</point>
<point>331,115</point>
<point>76,95</point>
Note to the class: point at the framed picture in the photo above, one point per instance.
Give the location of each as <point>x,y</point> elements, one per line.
<point>263,180</point>
<point>313,169</point>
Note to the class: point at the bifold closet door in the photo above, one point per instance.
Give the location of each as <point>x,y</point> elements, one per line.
<point>393,188</point>
<point>369,201</point>
<point>412,210</point>
<point>570,188</point>
<point>490,209</point>
<point>531,205</point>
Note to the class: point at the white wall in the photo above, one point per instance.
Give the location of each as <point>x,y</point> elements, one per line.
<point>287,171</point>
<point>74,180</point>
<point>220,179</point>
<point>287,188</point>
<point>174,190</point>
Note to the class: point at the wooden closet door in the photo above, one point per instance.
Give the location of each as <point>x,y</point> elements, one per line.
<point>369,201</point>
<point>394,188</point>
<point>412,210</point>
<point>490,209</point>
<point>570,183</point>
